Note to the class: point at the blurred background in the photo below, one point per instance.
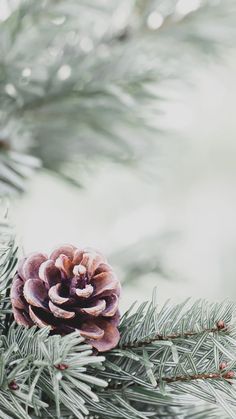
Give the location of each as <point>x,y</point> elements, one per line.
<point>127,107</point>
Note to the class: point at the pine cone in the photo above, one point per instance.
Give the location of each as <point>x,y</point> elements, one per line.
<point>72,289</point>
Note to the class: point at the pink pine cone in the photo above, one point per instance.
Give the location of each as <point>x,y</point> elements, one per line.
<point>72,289</point>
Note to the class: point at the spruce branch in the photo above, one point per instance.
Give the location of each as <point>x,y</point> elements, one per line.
<point>157,337</point>
<point>185,378</point>
<point>170,362</point>
<point>87,73</point>
<point>41,372</point>
<point>194,359</point>
<point>8,249</point>
<point>16,165</point>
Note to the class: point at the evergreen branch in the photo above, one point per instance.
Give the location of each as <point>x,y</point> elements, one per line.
<point>16,166</point>
<point>8,250</point>
<point>40,374</point>
<point>184,335</point>
<point>53,376</point>
<point>59,78</point>
<point>41,371</point>
<point>206,376</point>
<point>15,169</point>
<point>167,361</point>
<point>195,356</point>
<point>146,323</point>
<point>183,378</point>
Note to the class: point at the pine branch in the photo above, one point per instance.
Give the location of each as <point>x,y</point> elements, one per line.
<point>8,250</point>
<point>16,166</point>
<point>184,335</point>
<point>168,363</point>
<point>15,169</point>
<point>194,359</point>
<point>41,372</point>
<point>185,378</point>
<point>99,89</point>
<point>165,361</point>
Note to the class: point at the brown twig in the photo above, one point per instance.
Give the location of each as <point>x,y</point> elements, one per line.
<point>183,378</point>
<point>140,344</point>
<point>203,376</point>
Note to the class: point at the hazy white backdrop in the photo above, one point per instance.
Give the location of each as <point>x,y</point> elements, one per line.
<point>193,196</point>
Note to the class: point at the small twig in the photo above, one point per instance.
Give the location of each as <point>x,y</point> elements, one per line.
<point>140,344</point>
<point>203,376</point>
<point>183,378</point>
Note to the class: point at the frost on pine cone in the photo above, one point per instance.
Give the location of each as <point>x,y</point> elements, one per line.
<point>72,289</point>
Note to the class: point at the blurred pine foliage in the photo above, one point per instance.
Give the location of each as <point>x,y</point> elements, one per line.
<point>82,82</point>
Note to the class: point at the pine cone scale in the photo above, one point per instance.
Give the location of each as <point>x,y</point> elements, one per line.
<point>67,250</point>
<point>35,293</point>
<point>16,294</point>
<point>60,313</point>
<point>49,273</point>
<point>32,263</point>
<point>111,335</point>
<point>92,331</point>
<point>105,283</point>
<point>83,293</point>
<point>95,310</point>
<point>38,320</point>
<point>54,295</point>
<point>112,303</point>
<point>22,317</point>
